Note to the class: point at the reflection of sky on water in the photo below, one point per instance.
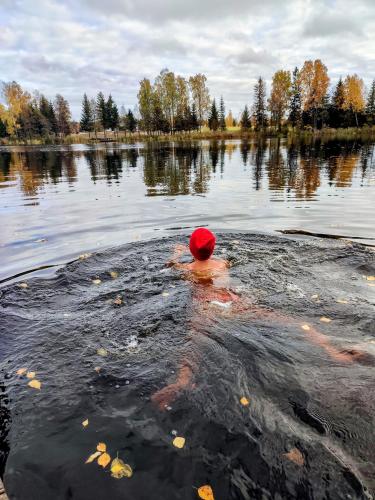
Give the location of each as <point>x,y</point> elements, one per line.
<point>80,198</point>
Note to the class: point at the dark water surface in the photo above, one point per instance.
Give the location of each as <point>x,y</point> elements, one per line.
<point>110,348</point>
<point>310,391</point>
<point>58,202</point>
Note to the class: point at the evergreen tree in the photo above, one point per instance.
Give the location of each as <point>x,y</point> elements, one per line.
<point>48,116</point>
<point>87,122</point>
<point>213,119</point>
<point>112,118</point>
<point>260,104</point>
<point>245,119</point>
<point>3,129</point>
<point>222,123</point>
<point>131,123</point>
<point>370,105</point>
<point>194,124</point>
<point>295,109</point>
<point>101,111</point>
<point>337,113</point>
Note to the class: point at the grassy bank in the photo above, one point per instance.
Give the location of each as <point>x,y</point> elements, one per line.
<point>204,134</point>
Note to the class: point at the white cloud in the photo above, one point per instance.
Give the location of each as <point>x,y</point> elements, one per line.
<point>74,47</point>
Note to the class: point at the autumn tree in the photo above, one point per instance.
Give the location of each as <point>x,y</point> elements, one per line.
<point>145,104</point>
<point>245,119</point>
<point>16,100</point>
<point>259,108</point>
<point>63,115</point>
<point>200,95</point>
<point>213,119</point>
<point>354,95</point>
<point>86,123</point>
<point>280,96</point>
<point>314,82</point>
<point>370,105</point>
<point>295,111</point>
<point>229,120</point>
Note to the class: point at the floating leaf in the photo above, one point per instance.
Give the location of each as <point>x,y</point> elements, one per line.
<point>113,274</point>
<point>165,294</point>
<point>21,371</point>
<point>179,442</point>
<point>342,301</point>
<point>104,460</point>
<point>102,447</point>
<point>315,296</point>
<point>244,401</point>
<point>93,457</point>
<point>84,256</point>
<point>370,278</point>
<point>102,352</point>
<point>371,284</point>
<point>97,369</point>
<point>118,300</point>
<point>30,374</point>
<point>85,423</point>
<point>305,327</point>
<point>23,285</point>
<point>35,384</point>
<point>323,319</point>
<point>119,469</point>
<point>205,492</point>
<point>97,281</point>
<point>295,456</point>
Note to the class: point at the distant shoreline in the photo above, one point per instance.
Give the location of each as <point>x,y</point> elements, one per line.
<point>235,133</point>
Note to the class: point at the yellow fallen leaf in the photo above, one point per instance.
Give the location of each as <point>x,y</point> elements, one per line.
<point>244,401</point>
<point>370,278</point>
<point>93,457</point>
<point>102,447</point>
<point>165,294</point>
<point>102,352</point>
<point>85,423</point>
<point>30,374</point>
<point>294,455</point>
<point>323,319</point>
<point>371,284</point>
<point>84,256</point>
<point>104,460</point>
<point>21,371</point>
<point>179,442</point>
<point>205,492</point>
<point>35,384</point>
<point>23,285</point>
<point>118,300</point>
<point>119,469</point>
<point>315,296</point>
<point>97,281</point>
<point>113,274</point>
<point>342,301</point>
<point>305,327</point>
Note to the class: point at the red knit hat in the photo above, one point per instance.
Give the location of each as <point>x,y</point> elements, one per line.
<point>202,243</point>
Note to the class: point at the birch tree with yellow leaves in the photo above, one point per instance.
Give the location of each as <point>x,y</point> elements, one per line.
<point>354,95</point>
<point>314,82</point>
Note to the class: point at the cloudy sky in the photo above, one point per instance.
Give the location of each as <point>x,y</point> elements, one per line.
<point>76,46</point>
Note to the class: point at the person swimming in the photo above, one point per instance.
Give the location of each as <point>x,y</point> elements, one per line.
<point>211,294</point>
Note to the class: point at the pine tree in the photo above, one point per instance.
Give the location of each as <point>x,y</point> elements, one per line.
<point>87,122</point>
<point>213,119</point>
<point>260,104</point>
<point>245,119</point>
<point>370,105</point>
<point>295,109</point>
<point>194,124</point>
<point>131,123</point>
<point>112,117</point>
<point>222,123</point>
<point>101,111</point>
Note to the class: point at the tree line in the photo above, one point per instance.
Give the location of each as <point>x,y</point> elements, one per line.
<point>298,100</point>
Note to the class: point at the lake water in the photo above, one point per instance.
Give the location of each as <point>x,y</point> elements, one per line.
<point>59,202</point>
<point>268,374</point>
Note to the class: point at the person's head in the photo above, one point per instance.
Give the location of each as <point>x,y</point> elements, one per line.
<point>202,243</point>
